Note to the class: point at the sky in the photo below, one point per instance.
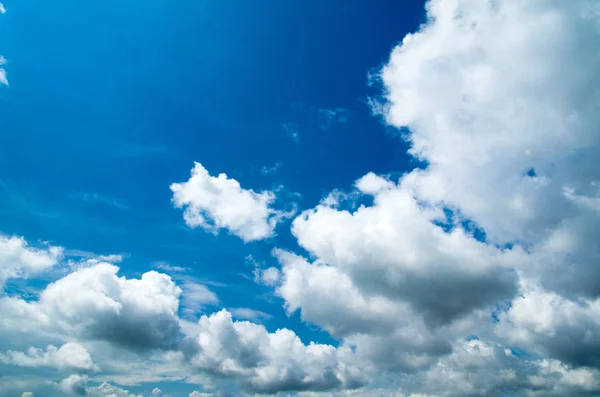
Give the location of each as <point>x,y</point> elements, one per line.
<point>299,198</point>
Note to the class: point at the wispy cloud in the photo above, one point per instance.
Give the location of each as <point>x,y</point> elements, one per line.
<point>270,170</point>
<point>170,268</point>
<point>291,130</point>
<point>195,297</point>
<point>330,117</point>
<point>105,200</point>
<point>245,313</point>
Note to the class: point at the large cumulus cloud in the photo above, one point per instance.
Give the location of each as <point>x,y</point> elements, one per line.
<point>269,362</point>
<point>94,303</point>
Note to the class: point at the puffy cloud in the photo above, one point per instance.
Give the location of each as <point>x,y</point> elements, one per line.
<point>94,303</point>
<point>74,385</point>
<point>269,276</point>
<point>18,260</point>
<point>215,203</point>
<point>550,325</point>
<point>27,394</point>
<point>157,392</point>
<point>506,127</point>
<point>507,124</point>
<point>268,362</point>
<point>395,249</point>
<point>107,390</point>
<point>70,356</point>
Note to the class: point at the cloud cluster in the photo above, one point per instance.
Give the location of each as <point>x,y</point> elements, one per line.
<point>494,235</point>
<point>94,303</point>
<point>269,362</point>
<point>474,275</point>
<point>70,356</point>
<point>219,202</point>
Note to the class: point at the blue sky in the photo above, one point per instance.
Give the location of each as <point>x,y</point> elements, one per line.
<point>111,102</point>
<point>410,189</point>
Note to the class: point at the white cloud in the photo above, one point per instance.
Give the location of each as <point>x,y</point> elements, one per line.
<point>17,260</point>
<point>195,297</point>
<point>170,268</point>
<point>74,385</point>
<point>489,92</point>
<point>198,394</point>
<point>269,362</point>
<point>269,276</point>
<point>94,303</point>
<point>215,203</point>
<point>157,392</point>
<point>27,394</point>
<point>2,9</point>
<point>244,313</point>
<point>70,356</point>
<point>506,126</point>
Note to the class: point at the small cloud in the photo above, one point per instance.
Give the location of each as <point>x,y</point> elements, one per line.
<point>329,117</point>
<point>170,268</point>
<point>270,170</point>
<point>111,258</point>
<point>245,313</point>
<point>195,296</point>
<point>291,129</point>
<point>2,9</point>
<point>3,79</point>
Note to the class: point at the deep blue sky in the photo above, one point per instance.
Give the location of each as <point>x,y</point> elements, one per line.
<point>110,102</point>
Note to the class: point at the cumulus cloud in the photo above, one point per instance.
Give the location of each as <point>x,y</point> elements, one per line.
<point>550,325</point>
<point>268,362</point>
<point>94,303</point>
<point>18,260</point>
<point>506,127</point>
<point>70,356</point>
<point>219,202</point>
<point>74,385</point>
<point>506,122</point>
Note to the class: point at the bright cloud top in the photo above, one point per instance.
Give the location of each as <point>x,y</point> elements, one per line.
<point>215,203</point>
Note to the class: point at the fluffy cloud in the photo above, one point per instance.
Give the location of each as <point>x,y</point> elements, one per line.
<point>94,303</point>
<point>70,356</point>
<point>17,260</point>
<point>506,126</point>
<point>215,203</point>
<point>74,385</point>
<point>268,362</point>
<point>550,325</point>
